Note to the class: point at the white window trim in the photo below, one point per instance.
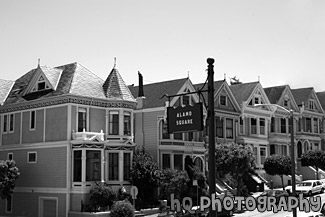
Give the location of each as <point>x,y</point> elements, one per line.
<point>13,122</point>
<point>12,154</point>
<point>120,166</point>
<point>28,160</point>
<point>5,129</point>
<point>226,100</point>
<point>87,117</point>
<point>6,206</point>
<point>30,120</point>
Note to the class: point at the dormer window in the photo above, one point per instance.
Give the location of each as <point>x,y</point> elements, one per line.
<point>40,85</point>
<point>223,100</point>
<point>285,103</point>
<point>311,105</point>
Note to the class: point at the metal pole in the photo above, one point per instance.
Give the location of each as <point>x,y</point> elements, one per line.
<point>293,165</point>
<point>212,161</point>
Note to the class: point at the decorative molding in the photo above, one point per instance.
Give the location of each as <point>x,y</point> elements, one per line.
<point>64,100</point>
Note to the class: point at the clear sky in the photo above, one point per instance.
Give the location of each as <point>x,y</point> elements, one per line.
<point>279,41</point>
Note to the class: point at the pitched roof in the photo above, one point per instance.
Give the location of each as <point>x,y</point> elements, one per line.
<point>5,86</point>
<point>321,98</point>
<point>216,85</point>
<point>154,92</point>
<point>243,91</point>
<point>114,87</point>
<point>72,79</point>
<point>274,93</point>
<point>301,95</point>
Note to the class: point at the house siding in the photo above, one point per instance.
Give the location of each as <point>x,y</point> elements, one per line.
<point>50,168</point>
<point>97,119</point>
<point>10,138</point>
<point>73,117</point>
<point>33,136</point>
<point>27,204</point>
<point>56,123</point>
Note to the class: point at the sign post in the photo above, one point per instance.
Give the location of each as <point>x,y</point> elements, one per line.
<point>134,193</point>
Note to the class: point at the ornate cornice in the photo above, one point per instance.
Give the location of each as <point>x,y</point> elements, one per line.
<point>66,99</point>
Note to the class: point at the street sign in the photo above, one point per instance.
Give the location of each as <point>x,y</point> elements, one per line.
<point>187,118</point>
<point>134,192</point>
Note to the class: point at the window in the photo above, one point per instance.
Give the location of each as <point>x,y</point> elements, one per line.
<point>229,128</point>
<point>316,125</point>
<point>5,123</point>
<point>32,124</point>
<point>316,145</point>
<point>93,165</point>
<point>272,125</point>
<point>113,166</point>
<point>311,105</point>
<point>40,85</point>
<point>11,122</point>
<point>113,123</point>
<point>32,157</point>
<point>283,125</point>
<point>82,119</point>
<point>10,156</point>
<point>284,150</point>
<point>127,123</point>
<point>126,166</point>
<point>219,126</point>
<point>241,126</point>
<point>77,165</point>
<point>285,103</point>
<point>262,154</point>
<point>262,126</point>
<point>165,134</point>
<point>166,161</point>
<point>178,162</point>
<point>253,126</point>
<point>9,204</point>
<point>272,149</point>
<point>308,124</point>
<point>223,100</point>
<point>199,163</point>
<point>190,136</point>
<point>256,100</point>
<point>178,136</point>
<point>186,100</point>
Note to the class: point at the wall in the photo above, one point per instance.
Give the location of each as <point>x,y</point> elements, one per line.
<point>56,123</point>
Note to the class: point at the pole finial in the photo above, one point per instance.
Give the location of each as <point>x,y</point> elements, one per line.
<point>39,62</point>
<point>114,62</point>
<point>210,61</point>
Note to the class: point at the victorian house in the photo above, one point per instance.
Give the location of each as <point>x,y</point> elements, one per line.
<point>309,128</point>
<point>253,124</point>
<point>151,131</point>
<point>66,128</point>
<point>280,128</point>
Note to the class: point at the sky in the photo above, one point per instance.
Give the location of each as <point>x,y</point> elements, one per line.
<point>277,42</point>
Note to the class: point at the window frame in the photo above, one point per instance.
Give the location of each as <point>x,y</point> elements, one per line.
<point>32,120</point>
<point>223,100</point>
<point>28,157</point>
<point>11,204</point>
<point>5,124</point>
<point>84,121</point>
<point>11,122</point>
<point>112,124</point>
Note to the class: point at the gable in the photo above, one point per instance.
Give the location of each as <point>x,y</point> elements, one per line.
<point>188,99</point>
<point>288,101</point>
<point>258,96</point>
<point>225,100</point>
<point>313,103</point>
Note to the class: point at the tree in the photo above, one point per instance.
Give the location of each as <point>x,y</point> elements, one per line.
<point>314,158</point>
<point>236,160</point>
<point>174,182</point>
<point>101,197</point>
<point>278,165</point>
<point>145,174</point>
<point>9,173</point>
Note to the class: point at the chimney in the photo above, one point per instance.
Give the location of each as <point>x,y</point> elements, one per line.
<point>141,97</point>
<point>140,90</point>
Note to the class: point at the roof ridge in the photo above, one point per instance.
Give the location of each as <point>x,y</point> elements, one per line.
<point>162,82</point>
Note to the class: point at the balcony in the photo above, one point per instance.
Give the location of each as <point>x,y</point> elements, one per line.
<point>171,142</point>
<point>89,136</point>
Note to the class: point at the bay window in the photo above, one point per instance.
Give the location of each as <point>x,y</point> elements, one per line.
<point>253,126</point>
<point>113,166</point>
<point>262,126</point>
<point>93,165</point>
<point>77,165</point>
<point>219,127</point>
<point>113,123</point>
<point>127,123</point>
<point>229,128</point>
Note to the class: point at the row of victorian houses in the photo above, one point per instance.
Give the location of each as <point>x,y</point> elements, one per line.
<point>66,128</point>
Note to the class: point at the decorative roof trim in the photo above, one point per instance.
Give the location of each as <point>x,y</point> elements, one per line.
<point>64,100</point>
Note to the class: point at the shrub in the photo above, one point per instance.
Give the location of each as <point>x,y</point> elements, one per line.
<point>101,197</point>
<point>122,209</point>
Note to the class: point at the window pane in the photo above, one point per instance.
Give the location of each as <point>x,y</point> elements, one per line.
<point>5,123</point>
<point>82,120</point>
<point>127,166</point>
<point>223,100</point>
<point>219,124</point>
<point>262,126</point>
<point>113,123</point>
<point>283,125</point>
<point>178,136</point>
<point>315,125</point>
<point>272,125</point>
<point>229,128</point>
<point>166,161</point>
<point>165,134</point>
<point>178,162</point>
<point>9,204</point>
<point>93,165</point>
<point>32,120</point>
<point>263,154</point>
<point>11,122</point>
<point>308,124</point>
<point>77,166</point>
<point>253,126</point>
<point>113,166</point>
<point>127,124</point>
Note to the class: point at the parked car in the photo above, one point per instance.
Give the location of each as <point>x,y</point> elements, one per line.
<point>276,193</point>
<point>320,213</point>
<point>309,187</point>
